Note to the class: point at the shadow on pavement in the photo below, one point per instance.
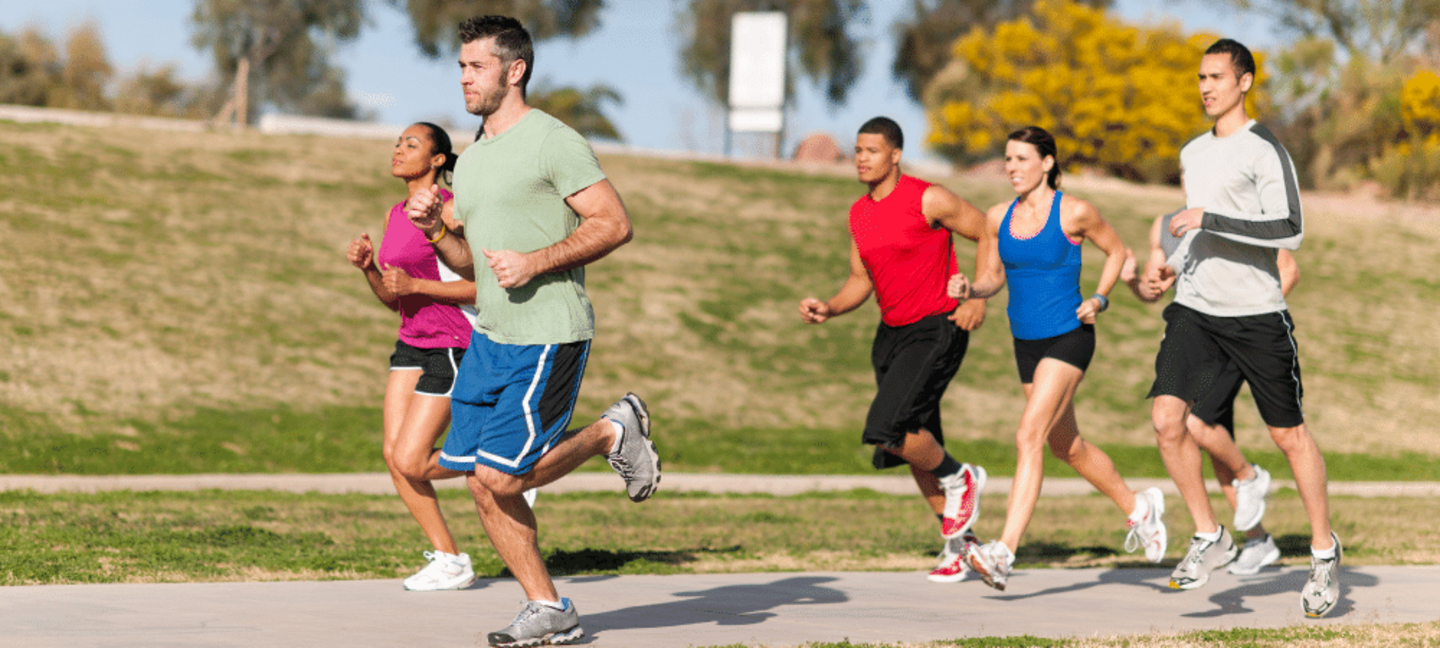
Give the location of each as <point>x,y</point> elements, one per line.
<point>727,606</point>
<point>1232,601</point>
<point>1135,577</point>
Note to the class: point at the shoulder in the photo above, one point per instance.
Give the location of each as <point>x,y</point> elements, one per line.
<point>995,214</point>
<point>1072,207</point>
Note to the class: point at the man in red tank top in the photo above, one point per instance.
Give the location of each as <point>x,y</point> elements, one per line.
<point>902,250</point>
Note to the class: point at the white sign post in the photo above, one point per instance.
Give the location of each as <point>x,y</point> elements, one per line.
<point>757,73</point>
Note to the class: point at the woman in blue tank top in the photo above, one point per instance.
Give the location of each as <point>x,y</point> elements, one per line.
<point>1034,243</point>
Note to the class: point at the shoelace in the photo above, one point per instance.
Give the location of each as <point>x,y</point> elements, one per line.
<point>1321,568</point>
<point>1197,550</point>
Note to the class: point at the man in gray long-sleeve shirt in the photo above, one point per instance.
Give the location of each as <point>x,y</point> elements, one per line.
<point>1243,207</point>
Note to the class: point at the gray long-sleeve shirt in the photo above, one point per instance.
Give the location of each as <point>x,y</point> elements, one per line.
<point>1246,184</point>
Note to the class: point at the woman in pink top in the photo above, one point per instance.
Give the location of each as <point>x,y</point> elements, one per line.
<point>408,278</point>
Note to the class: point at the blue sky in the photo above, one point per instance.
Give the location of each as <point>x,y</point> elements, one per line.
<point>635,52</point>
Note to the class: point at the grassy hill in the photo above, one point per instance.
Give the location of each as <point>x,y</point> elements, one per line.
<point>175,302</point>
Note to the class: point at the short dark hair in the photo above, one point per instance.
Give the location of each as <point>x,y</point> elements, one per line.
<point>886,127</point>
<point>512,42</point>
<point>1043,142</point>
<point>440,145</point>
<point>1240,57</point>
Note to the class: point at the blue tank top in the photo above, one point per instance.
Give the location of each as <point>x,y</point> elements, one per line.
<point>1044,276</point>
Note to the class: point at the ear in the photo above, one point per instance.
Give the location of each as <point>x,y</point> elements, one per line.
<point>895,155</point>
<point>1047,163</point>
<point>515,73</point>
<point>437,160</point>
<point>1246,81</point>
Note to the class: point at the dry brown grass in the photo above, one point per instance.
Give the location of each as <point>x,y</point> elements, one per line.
<point>144,273</point>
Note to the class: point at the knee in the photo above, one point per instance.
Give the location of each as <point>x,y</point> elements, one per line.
<point>412,468</point>
<point>1290,438</point>
<point>1169,424</point>
<point>493,483</point>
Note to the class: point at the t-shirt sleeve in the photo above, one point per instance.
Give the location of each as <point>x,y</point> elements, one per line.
<point>569,162</point>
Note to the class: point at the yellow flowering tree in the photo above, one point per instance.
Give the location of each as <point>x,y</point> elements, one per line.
<point>1420,106</point>
<point>1116,96</point>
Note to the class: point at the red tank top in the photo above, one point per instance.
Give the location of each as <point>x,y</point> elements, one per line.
<point>909,261</point>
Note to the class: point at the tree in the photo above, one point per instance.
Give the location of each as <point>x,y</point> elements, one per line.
<point>85,72</point>
<point>435,21</point>
<point>286,45</point>
<point>29,68</point>
<point>1115,96</point>
<point>582,110</point>
<point>819,41</point>
<point>925,37</point>
<point>1379,29</point>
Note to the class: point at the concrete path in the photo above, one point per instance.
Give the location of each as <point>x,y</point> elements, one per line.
<point>767,609</point>
<point>772,609</point>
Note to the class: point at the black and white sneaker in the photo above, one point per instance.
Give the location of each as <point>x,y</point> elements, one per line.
<point>1323,588</point>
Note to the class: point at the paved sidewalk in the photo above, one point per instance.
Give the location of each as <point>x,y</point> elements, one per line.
<point>771,609</point>
<point>379,484</point>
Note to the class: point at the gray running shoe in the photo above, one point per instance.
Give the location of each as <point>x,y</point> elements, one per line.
<point>1204,555</point>
<point>1255,556</point>
<point>1149,532</point>
<point>636,460</point>
<point>1250,499</point>
<point>962,500</point>
<point>992,562</point>
<point>1323,588</point>
<point>538,625</point>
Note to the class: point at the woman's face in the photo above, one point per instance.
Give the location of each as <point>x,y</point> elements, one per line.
<point>1024,166</point>
<point>412,157</point>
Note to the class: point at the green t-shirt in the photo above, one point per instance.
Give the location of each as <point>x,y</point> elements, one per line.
<point>510,193</point>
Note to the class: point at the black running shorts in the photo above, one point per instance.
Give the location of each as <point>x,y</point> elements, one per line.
<point>1197,348</point>
<point>913,365</point>
<point>1075,348</point>
<point>1217,406</point>
<point>437,366</point>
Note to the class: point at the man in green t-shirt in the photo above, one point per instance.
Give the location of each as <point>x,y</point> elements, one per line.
<point>536,209</point>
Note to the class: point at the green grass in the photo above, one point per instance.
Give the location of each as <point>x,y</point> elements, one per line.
<point>261,535</point>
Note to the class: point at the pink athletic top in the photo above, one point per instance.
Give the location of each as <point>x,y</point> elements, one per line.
<point>424,322</point>
<point>909,261</point>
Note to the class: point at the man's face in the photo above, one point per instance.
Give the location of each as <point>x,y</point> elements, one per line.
<point>874,157</point>
<point>482,77</point>
<point>1221,90</point>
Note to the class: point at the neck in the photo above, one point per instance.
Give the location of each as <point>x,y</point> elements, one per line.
<point>510,112</point>
<point>882,187</point>
<point>1038,197</point>
<point>413,185</point>
<point>1233,120</point>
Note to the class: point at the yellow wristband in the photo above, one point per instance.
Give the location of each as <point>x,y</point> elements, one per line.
<point>443,231</point>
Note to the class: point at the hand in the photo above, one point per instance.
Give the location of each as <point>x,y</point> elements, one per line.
<point>1088,310</point>
<point>423,209</point>
<point>814,311</point>
<point>1156,282</point>
<point>1127,270</point>
<point>511,268</point>
<point>958,287</point>
<point>1186,220</point>
<point>361,252</point>
<point>397,281</point>
<point>970,315</point>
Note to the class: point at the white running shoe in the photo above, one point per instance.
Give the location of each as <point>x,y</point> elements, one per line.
<point>1204,556</point>
<point>1250,497</point>
<point>1255,556</point>
<point>1149,531</point>
<point>445,572</point>
<point>952,567</point>
<point>962,500</point>
<point>636,460</point>
<point>1322,590</point>
<point>992,562</point>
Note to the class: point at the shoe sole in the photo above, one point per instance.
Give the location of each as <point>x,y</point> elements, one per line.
<point>444,588</point>
<point>984,574</point>
<point>554,639</point>
<point>1158,509</point>
<point>950,578</point>
<point>1205,578</point>
<point>643,413</point>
